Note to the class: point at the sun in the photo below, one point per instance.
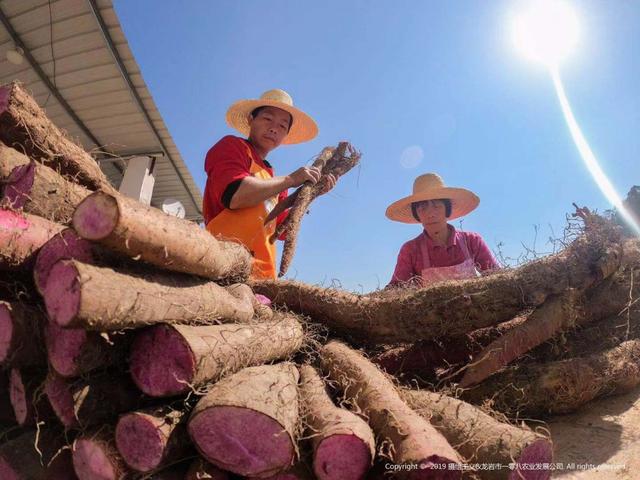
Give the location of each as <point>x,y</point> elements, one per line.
<point>547,31</point>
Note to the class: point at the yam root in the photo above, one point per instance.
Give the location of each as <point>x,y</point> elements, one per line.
<point>21,338</point>
<point>480,438</point>
<point>288,202</point>
<point>343,159</point>
<point>151,439</point>
<point>561,386</point>
<point>21,235</point>
<point>343,443</point>
<point>83,296</point>
<point>557,313</point>
<point>171,359</point>
<point>430,361</point>
<point>93,401</point>
<point>36,188</point>
<point>65,245</point>
<point>146,233</point>
<point>247,422</point>
<point>75,351</point>
<point>455,308</point>
<point>30,404</point>
<point>95,457</point>
<point>26,127</point>
<point>411,439</point>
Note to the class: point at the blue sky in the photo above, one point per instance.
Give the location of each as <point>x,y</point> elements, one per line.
<point>440,77</point>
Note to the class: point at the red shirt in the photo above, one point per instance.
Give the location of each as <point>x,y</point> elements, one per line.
<point>410,262</point>
<point>226,162</point>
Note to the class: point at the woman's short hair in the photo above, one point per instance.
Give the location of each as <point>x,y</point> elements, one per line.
<point>447,207</point>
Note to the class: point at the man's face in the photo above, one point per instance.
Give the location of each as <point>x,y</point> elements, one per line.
<point>431,212</point>
<point>269,128</point>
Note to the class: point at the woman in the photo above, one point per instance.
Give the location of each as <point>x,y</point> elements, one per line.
<point>440,252</point>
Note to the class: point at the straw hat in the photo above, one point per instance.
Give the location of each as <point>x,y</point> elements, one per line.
<point>431,187</point>
<point>302,130</point>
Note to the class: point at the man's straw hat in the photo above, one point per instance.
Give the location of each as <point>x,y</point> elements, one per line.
<point>431,187</point>
<point>302,130</point>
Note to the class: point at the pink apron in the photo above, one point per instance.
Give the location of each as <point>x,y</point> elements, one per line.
<point>466,269</point>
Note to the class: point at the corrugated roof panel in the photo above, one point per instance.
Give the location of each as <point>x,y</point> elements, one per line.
<point>90,81</point>
<point>76,43</point>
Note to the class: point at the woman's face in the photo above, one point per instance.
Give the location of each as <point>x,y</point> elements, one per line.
<point>431,213</point>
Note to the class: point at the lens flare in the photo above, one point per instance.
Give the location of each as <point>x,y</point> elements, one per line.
<point>546,32</point>
<point>587,155</point>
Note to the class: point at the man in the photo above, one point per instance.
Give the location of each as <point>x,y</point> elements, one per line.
<point>241,186</point>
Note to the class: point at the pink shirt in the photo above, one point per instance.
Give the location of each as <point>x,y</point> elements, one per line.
<point>410,260</point>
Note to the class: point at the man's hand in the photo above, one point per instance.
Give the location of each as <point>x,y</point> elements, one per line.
<point>303,174</point>
<point>330,183</point>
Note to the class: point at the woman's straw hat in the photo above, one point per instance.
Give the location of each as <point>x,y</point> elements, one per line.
<point>302,130</point>
<point>431,187</point>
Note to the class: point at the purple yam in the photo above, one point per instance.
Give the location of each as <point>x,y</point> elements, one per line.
<point>62,296</point>
<point>140,441</point>
<point>341,457</point>
<point>92,461</point>
<point>18,185</point>
<point>63,246</point>
<point>162,363</point>
<point>96,217</point>
<point>242,440</point>
<point>61,400</point>
<point>538,452</point>
<point>6,332</point>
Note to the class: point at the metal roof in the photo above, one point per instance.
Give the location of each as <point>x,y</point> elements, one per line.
<point>79,67</point>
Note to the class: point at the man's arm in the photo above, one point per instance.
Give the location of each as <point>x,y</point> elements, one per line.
<point>253,191</point>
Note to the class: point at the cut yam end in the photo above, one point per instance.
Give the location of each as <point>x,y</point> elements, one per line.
<point>10,220</point>
<point>538,452</point>
<point>64,346</point>
<point>18,185</point>
<point>18,396</point>
<point>341,457</point>
<point>61,400</point>
<point>140,442</point>
<point>7,472</point>
<point>91,462</point>
<point>162,363</point>
<point>96,216</point>
<point>242,440</point>
<point>62,296</point>
<point>65,245</point>
<point>6,332</point>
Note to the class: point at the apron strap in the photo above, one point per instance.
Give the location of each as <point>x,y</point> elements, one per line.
<point>424,252</point>
<point>465,247</point>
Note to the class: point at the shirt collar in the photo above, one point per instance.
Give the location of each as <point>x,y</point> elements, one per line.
<point>255,154</point>
<point>453,237</point>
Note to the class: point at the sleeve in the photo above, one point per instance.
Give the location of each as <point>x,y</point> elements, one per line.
<point>482,255</point>
<point>227,163</point>
<point>404,271</point>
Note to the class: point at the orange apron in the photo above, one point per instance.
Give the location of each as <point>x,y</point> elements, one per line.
<point>246,226</point>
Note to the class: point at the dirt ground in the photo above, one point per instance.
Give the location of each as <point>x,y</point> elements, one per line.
<point>605,434</point>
